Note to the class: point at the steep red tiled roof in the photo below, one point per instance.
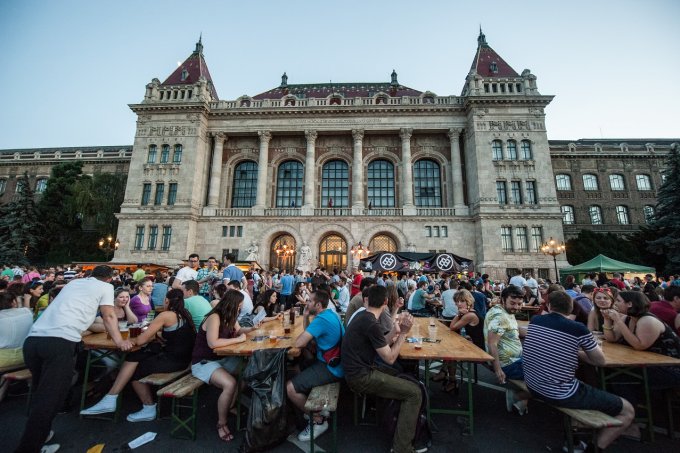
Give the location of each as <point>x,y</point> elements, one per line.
<point>348,90</point>
<point>196,67</point>
<point>486,56</point>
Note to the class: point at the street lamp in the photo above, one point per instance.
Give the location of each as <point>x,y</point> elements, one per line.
<point>553,248</point>
<point>108,245</point>
<point>359,250</point>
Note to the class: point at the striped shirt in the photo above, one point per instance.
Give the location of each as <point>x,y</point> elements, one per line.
<point>551,354</point>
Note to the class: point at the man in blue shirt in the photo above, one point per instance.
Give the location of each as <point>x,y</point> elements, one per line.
<point>287,283</point>
<point>418,303</point>
<point>231,272</point>
<point>326,330</point>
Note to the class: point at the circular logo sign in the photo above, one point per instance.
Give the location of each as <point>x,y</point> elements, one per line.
<point>444,262</point>
<point>388,261</point>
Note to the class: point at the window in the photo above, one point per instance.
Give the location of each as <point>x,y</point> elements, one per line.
<point>382,243</point>
<point>3,185</point>
<point>622,215</point>
<point>335,184</point>
<point>595,213</point>
<point>289,184</point>
<point>172,193</point>
<point>20,186</point>
<point>232,231</point>
<point>153,237</point>
<point>245,185</point>
<point>531,192</point>
<point>167,235</point>
<point>512,150</point>
<point>165,154</point>
<point>333,252</point>
<point>527,154</point>
<point>160,194</point>
<point>41,185</point>
<point>139,237</point>
<point>435,231</point>
<point>644,182</point>
<point>428,231</point>
<point>568,215</point>
<point>381,184</point>
<point>536,238</point>
<point>522,240</point>
<point>225,231</point>
<point>146,194</point>
<point>445,231</point>
<point>151,156</point>
<point>616,182</point>
<point>516,190</point>
<point>501,192</point>
<point>506,239</point>
<point>563,182</point>
<point>649,213</point>
<point>239,231</point>
<point>427,184</point>
<point>590,182</point>
<point>177,156</point>
<point>497,150</point>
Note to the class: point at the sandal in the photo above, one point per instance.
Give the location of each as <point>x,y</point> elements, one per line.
<point>227,436</point>
<point>439,376</point>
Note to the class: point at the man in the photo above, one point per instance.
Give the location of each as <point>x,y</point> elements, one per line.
<point>502,342</point>
<point>187,273</point>
<point>417,305</point>
<point>50,348</point>
<point>318,279</point>
<point>402,284</point>
<point>231,272</point>
<point>450,308</point>
<point>139,274</point>
<point>247,305</point>
<point>326,330</point>
<point>205,276</point>
<point>287,282</point>
<point>363,343</point>
<point>357,301</point>
<point>667,309</point>
<point>518,280</point>
<point>616,281</point>
<point>196,305</point>
<point>481,301</point>
<point>343,295</point>
<point>585,299</point>
<point>356,283</point>
<point>532,284</point>
<point>552,349</point>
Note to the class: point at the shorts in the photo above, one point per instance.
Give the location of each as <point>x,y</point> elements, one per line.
<point>587,397</point>
<point>514,370</point>
<point>203,370</point>
<point>313,376</point>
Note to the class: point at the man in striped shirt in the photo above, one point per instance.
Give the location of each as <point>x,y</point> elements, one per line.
<point>552,348</point>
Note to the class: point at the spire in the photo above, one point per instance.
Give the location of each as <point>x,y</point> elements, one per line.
<point>199,45</point>
<point>394,81</point>
<point>284,81</point>
<point>481,39</point>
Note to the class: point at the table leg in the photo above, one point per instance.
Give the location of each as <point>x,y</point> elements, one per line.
<point>648,405</point>
<point>427,388</point>
<point>85,380</point>
<point>468,413</point>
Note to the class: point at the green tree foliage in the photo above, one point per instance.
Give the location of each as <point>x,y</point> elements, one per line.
<point>98,199</point>
<point>589,244</point>
<point>19,226</point>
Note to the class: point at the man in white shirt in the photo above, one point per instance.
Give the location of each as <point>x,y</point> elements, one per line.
<point>247,306</point>
<point>532,284</point>
<point>50,348</point>
<point>518,280</point>
<point>343,294</point>
<point>187,273</point>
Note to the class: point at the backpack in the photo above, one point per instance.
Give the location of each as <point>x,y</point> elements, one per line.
<point>423,436</point>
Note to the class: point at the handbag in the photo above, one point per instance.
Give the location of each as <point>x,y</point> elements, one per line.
<point>332,356</point>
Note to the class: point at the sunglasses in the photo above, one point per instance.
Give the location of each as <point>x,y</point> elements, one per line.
<point>35,283</point>
<point>602,290</point>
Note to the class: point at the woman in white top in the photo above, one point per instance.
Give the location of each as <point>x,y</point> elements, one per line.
<point>15,322</point>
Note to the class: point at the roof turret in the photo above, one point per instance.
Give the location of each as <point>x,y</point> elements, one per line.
<point>192,71</point>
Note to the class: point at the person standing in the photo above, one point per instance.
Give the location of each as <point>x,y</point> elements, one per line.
<point>187,272</point>
<point>231,272</point>
<point>205,277</point>
<point>50,348</point>
<point>287,282</point>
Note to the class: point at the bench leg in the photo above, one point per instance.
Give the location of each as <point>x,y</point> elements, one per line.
<point>189,423</point>
<point>568,434</point>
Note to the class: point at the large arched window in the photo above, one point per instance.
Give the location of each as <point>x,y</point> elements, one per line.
<point>512,150</point>
<point>563,182</point>
<point>595,213</point>
<point>151,156</point>
<point>177,155</point>
<point>649,213</point>
<point>497,150</point>
<point>527,154</point>
<point>282,253</point>
<point>644,182</point>
<point>335,184</point>
<point>622,215</point>
<point>333,252</point>
<point>616,182</point>
<point>381,184</point>
<point>245,185</point>
<point>382,243</point>
<point>427,183</point>
<point>590,182</point>
<point>568,215</point>
<point>289,185</point>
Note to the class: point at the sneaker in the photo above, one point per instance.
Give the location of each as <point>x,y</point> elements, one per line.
<point>578,448</point>
<point>147,414</point>
<point>107,404</point>
<point>422,449</point>
<point>306,434</point>
<point>50,436</point>
<point>509,399</point>
<point>522,406</point>
<point>49,448</point>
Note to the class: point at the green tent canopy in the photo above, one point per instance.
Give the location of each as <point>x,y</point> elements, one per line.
<point>602,263</point>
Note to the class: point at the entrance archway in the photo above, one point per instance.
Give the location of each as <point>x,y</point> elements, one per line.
<point>333,252</point>
<point>282,252</point>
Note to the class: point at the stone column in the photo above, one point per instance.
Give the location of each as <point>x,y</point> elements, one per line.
<point>262,165</point>
<point>407,172</point>
<point>456,171</point>
<point>216,170</point>
<point>358,172</point>
<point>310,166</point>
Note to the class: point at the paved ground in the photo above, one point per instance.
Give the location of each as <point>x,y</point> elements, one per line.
<point>495,430</point>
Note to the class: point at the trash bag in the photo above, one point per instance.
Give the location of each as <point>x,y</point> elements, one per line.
<point>267,424</point>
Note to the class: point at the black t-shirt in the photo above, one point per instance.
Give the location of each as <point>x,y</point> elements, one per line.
<point>363,337</point>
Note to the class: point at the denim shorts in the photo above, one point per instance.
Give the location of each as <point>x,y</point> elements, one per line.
<point>514,370</point>
<point>203,370</point>
<point>587,397</point>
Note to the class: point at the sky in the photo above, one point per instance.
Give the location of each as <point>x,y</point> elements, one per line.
<point>71,67</point>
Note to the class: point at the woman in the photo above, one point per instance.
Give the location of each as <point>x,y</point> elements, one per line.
<point>220,328</point>
<point>300,293</point>
<point>15,322</point>
<point>394,304</point>
<point>467,323</point>
<point>141,303</point>
<point>267,302</point>
<point>603,299</point>
<point>121,307</point>
<point>218,293</point>
<point>251,283</point>
<point>32,292</point>
<point>177,333</point>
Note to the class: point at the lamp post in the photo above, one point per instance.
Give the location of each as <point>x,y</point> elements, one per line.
<point>359,250</point>
<point>108,245</point>
<point>284,253</point>
<point>553,248</point>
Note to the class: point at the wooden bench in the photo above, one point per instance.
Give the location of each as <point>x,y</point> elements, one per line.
<point>324,398</point>
<point>182,389</point>
<point>17,376</point>
<point>160,379</point>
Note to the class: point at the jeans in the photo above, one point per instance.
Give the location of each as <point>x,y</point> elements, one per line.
<point>386,386</point>
<point>50,360</point>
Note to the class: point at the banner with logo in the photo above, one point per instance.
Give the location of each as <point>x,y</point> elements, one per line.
<point>408,261</point>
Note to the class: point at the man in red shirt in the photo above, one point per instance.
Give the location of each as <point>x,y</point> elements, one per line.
<point>617,281</point>
<point>667,310</point>
<point>356,283</point>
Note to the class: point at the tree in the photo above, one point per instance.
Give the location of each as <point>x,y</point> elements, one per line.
<point>19,226</point>
<point>589,244</point>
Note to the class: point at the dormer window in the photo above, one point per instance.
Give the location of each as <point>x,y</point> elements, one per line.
<point>185,75</point>
<point>493,67</point>
<point>335,100</point>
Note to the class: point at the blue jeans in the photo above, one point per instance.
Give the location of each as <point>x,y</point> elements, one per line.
<point>514,371</point>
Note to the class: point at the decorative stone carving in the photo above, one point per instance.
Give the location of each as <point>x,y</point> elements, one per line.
<point>253,250</point>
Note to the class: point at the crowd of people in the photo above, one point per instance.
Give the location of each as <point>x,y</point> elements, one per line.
<point>354,326</point>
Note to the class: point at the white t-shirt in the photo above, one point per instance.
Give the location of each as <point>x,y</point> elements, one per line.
<point>533,284</point>
<point>247,307</point>
<point>73,310</point>
<point>185,274</point>
<point>15,324</point>
<point>518,281</point>
<point>343,298</point>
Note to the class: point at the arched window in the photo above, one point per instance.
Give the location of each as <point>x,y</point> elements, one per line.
<point>165,154</point>
<point>177,156</point>
<point>590,182</point>
<point>595,213</point>
<point>644,182</point>
<point>289,185</point>
<point>427,183</point>
<point>622,215</point>
<point>333,252</point>
<point>335,184</point>
<point>568,215</point>
<point>563,182</point>
<point>245,185</point>
<point>3,186</point>
<point>40,185</point>
<point>381,184</point>
<point>527,154</point>
<point>382,243</point>
<point>616,182</point>
<point>151,156</point>
<point>512,150</point>
<point>649,213</point>
<point>497,150</point>
<point>282,253</point>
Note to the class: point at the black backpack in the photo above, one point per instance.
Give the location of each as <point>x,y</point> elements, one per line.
<point>423,436</point>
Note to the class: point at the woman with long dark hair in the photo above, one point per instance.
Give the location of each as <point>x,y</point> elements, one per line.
<point>267,302</point>
<point>178,333</point>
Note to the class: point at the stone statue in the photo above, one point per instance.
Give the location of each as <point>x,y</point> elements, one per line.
<point>253,252</point>
<point>411,247</point>
<point>305,257</point>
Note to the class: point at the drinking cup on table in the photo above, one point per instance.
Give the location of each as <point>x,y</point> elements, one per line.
<point>272,337</point>
<point>432,321</point>
<point>125,332</point>
<point>418,343</point>
<point>259,335</point>
<point>135,330</point>
<point>432,333</point>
